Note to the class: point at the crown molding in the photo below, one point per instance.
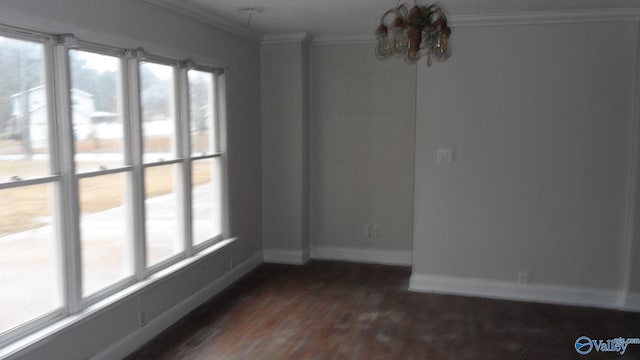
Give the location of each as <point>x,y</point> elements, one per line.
<point>286,38</point>
<point>207,17</point>
<point>520,18</point>
<point>546,17</point>
<point>344,40</point>
<point>523,18</point>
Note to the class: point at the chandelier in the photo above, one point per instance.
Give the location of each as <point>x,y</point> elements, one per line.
<point>421,31</point>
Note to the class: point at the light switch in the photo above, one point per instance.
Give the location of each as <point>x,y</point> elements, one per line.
<point>444,155</point>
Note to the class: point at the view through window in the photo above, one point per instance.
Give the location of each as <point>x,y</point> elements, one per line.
<point>85,210</point>
<point>30,280</point>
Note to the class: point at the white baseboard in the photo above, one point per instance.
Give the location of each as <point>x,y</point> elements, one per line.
<point>293,257</point>
<point>132,342</point>
<point>386,257</point>
<point>553,294</point>
<point>632,302</point>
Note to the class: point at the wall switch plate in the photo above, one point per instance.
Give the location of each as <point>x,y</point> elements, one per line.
<point>444,155</point>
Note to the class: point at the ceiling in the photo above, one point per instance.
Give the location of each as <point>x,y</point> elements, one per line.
<point>340,18</point>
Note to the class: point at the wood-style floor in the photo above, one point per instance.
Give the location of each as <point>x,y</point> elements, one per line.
<point>334,310</point>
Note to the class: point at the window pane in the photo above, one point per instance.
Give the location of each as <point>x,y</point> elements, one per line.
<point>24,127</point>
<point>163,234</point>
<point>206,199</point>
<point>104,227</point>
<point>96,113</point>
<point>202,115</point>
<point>29,278</point>
<point>158,113</point>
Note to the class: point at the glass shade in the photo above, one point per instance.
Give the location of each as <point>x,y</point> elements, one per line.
<point>401,44</point>
<point>384,48</point>
<point>412,57</point>
<point>440,49</point>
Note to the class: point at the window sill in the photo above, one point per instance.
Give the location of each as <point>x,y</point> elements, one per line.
<point>45,335</point>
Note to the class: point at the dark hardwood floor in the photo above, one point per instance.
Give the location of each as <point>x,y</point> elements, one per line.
<point>334,310</point>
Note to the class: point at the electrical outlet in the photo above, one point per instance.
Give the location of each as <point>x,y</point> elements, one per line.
<point>523,277</point>
<point>372,231</point>
<point>375,231</point>
<point>143,318</point>
<point>444,155</point>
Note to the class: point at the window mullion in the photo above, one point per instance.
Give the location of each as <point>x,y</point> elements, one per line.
<point>136,157</point>
<point>69,208</point>
<point>182,85</point>
<point>220,112</point>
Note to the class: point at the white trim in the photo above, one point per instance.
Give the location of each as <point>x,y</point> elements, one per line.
<point>344,40</point>
<point>632,302</point>
<point>30,182</point>
<point>285,38</point>
<point>69,210</point>
<point>207,17</point>
<point>553,294</point>
<point>132,342</point>
<point>292,257</point>
<point>546,17</point>
<point>386,257</point>
<point>522,18</point>
<point>517,18</point>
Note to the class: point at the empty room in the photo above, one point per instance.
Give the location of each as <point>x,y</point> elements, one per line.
<point>218,179</point>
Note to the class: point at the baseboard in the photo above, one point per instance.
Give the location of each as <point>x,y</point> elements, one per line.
<point>632,302</point>
<point>553,294</point>
<point>132,342</point>
<point>386,257</point>
<point>293,257</point>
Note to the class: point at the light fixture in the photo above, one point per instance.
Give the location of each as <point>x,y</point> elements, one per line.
<point>421,31</point>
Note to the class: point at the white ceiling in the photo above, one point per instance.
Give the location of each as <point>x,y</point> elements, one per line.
<point>339,18</point>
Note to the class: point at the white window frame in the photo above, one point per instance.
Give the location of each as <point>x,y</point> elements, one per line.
<point>65,180</point>
<point>180,187</point>
<point>67,43</point>
<point>54,178</point>
<point>219,124</point>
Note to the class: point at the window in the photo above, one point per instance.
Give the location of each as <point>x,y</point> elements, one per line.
<point>206,164</point>
<point>103,180</point>
<point>30,276</point>
<point>162,174</point>
<point>111,168</point>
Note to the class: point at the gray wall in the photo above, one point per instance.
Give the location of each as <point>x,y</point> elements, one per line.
<point>539,117</point>
<point>285,146</point>
<point>633,278</point>
<point>127,23</point>
<point>362,146</point>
